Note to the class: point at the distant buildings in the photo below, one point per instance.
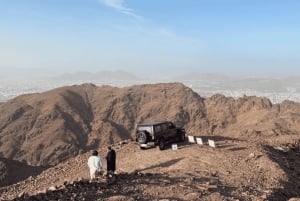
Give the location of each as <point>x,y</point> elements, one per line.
<point>205,88</point>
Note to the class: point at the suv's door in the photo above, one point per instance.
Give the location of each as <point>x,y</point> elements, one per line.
<point>157,130</point>
<point>165,130</point>
<point>172,132</point>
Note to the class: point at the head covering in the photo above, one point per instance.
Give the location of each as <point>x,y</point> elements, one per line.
<point>95,153</point>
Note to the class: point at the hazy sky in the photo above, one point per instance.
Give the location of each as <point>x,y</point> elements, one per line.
<point>231,36</point>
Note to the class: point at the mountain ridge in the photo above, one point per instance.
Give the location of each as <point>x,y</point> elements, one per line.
<point>45,128</point>
<point>49,136</point>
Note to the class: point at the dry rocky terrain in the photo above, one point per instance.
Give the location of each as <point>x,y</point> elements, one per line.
<point>46,138</point>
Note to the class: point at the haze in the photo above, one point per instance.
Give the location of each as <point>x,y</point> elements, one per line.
<point>222,36</point>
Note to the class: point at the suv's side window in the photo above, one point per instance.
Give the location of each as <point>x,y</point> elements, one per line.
<point>144,128</point>
<point>164,127</point>
<point>157,129</point>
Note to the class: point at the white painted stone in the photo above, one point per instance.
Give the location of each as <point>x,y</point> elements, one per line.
<point>191,139</point>
<point>211,143</point>
<point>52,188</point>
<point>199,140</point>
<point>174,147</point>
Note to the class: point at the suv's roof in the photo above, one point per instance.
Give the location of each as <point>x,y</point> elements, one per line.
<point>153,123</point>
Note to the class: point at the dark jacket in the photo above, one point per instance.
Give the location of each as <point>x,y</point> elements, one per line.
<point>111,160</point>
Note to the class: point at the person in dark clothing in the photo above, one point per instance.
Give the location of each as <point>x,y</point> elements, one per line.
<point>111,160</point>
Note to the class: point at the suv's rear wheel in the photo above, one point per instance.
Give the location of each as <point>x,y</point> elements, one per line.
<point>161,144</point>
<point>142,137</point>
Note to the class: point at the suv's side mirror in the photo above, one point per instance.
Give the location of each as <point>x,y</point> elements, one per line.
<point>171,125</point>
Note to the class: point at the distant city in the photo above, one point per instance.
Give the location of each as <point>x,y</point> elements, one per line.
<point>206,85</point>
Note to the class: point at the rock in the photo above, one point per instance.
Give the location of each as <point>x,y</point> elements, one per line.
<point>21,194</point>
<point>252,155</point>
<point>214,173</point>
<point>294,199</point>
<point>213,181</point>
<point>120,198</point>
<point>192,196</point>
<point>52,188</point>
<point>42,191</point>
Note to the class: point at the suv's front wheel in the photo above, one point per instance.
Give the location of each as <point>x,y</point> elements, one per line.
<point>161,144</point>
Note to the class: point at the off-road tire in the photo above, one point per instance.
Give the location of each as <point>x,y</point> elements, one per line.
<point>161,144</point>
<point>142,137</point>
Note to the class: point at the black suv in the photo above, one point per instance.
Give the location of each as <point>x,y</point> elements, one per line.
<point>158,134</point>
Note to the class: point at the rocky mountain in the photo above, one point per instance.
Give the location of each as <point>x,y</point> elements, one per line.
<point>46,128</point>
<point>258,143</point>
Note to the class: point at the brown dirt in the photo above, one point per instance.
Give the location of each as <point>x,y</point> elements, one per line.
<point>257,154</point>
<point>235,170</point>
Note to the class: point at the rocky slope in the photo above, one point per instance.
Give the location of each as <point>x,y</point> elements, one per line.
<point>234,170</point>
<point>46,128</point>
<point>50,127</point>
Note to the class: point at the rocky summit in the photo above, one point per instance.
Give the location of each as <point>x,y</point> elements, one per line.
<point>46,138</point>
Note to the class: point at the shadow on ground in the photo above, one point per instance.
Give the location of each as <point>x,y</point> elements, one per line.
<point>14,171</point>
<point>138,186</point>
<point>164,164</point>
<point>288,158</point>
